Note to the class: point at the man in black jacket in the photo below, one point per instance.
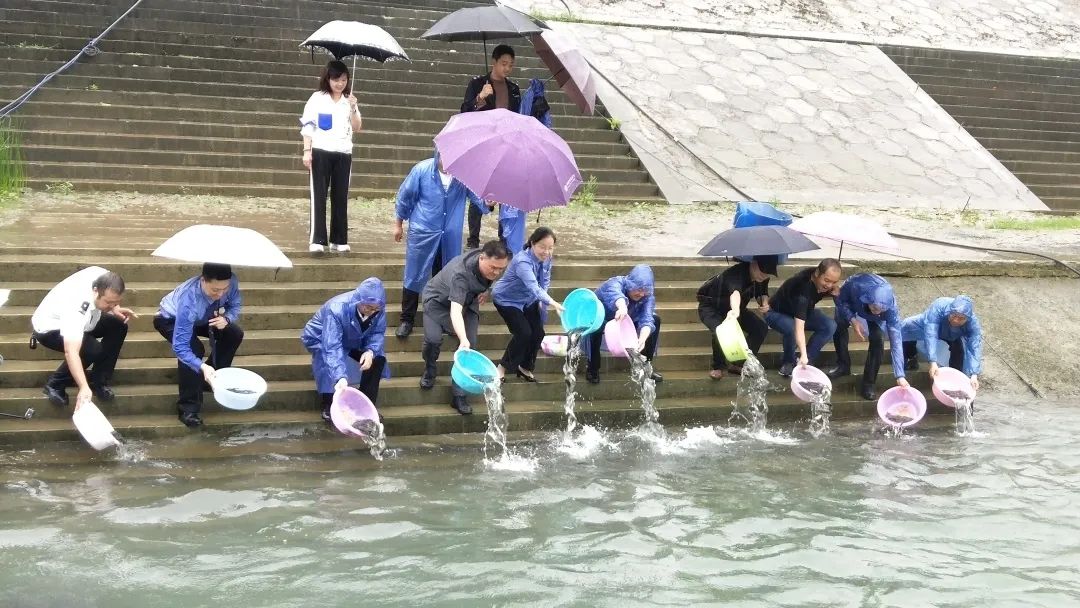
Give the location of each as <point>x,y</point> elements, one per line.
<point>487,92</point>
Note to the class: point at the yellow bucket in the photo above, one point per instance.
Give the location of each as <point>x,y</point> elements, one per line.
<point>732,341</point>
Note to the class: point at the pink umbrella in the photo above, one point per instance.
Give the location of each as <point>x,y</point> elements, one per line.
<point>852,229</point>
<point>509,158</point>
<point>569,68</point>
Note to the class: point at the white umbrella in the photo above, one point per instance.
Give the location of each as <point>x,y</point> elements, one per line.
<point>223,245</point>
<point>344,38</point>
<point>851,229</point>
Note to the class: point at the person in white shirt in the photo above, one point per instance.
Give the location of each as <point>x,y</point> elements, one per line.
<point>330,117</point>
<point>81,310</point>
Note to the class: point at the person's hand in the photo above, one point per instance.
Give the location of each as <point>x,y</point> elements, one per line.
<point>218,322</point>
<point>208,374</point>
<point>975,381</point>
<point>482,298</point>
<point>85,396</point>
<point>485,92</point>
<point>559,308</point>
<point>620,311</point>
<point>933,369</point>
<point>859,331</point>
<point>803,361</point>
<point>641,344</point>
<point>399,233</point>
<point>307,159</point>
<point>354,105</point>
<point>902,382</point>
<point>463,345</point>
<point>366,359</point>
<point>342,384</point>
<point>124,313</point>
<point>764,308</point>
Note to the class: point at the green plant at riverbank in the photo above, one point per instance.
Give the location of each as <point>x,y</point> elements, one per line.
<point>12,171</point>
<point>1057,222</point>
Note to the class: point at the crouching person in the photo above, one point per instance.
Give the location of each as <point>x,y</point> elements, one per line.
<point>348,325</point>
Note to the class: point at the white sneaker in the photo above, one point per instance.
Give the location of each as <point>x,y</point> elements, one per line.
<point>316,248</point>
<point>340,248</point>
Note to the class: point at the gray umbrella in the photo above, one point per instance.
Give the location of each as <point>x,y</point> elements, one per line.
<point>482,23</point>
<point>757,240</point>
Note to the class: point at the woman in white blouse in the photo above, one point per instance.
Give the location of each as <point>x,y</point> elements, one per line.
<point>327,125</point>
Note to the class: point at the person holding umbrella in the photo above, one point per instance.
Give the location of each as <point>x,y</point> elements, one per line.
<point>727,295</point>
<point>630,295</point>
<point>792,313</point>
<point>432,201</point>
<point>207,305</point>
<point>351,325</point>
<point>519,296</point>
<point>871,297</point>
<point>330,117</point>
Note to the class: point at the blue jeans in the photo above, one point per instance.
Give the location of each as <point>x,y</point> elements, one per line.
<point>819,323</point>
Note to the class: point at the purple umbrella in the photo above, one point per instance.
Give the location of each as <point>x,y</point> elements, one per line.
<point>509,158</point>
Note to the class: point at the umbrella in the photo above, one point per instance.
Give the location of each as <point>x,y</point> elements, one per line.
<point>852,229</point>
<point>344,38</point>
<point>569,68</point>
<point>223,245</point>
<point>757,240</point>
<point>510,158</point>
<point>482,23</point>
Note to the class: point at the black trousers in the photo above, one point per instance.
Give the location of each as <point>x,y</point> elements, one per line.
<point>752,325</point>
<point>101,355</point>
<point>597,336</point>
<point>475,217</point>
<point>369,380</point>
<point>223,346</point>
<point>410,300</point>
<point>956,352</point>
<point>873,356</point>
<point>526,333</point>
<point>330,171</point>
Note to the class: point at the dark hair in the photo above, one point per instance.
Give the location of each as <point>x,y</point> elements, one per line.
<point>826,265</point>
<point>216,272</point>
<point>494,249</point>
<point>333,70</point>
<point>538,235</point>
<point>502,49</point>
<point>110,281</point>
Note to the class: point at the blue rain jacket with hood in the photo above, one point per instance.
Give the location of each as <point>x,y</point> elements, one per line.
<point>435,215</point>
<point>933,325</point>
<point>512,228</point>
<point>189,305</point>
<point>335,330</point>
<point>616,288</point>
<point>525,281</point>
<point>533,97</point>
<point>856,295</point>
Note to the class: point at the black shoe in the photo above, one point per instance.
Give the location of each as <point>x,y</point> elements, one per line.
<point>656,377</point>
<point>326,414</point>
<point>56,396</point>
<point>786,369</point>
<point>427,381</point>
<point>469,244</point>
<point>190,419</point>
<point>911,364</point>
<point>867,392</point>
<point>461,405</point>
<point>837,371</point>
<point>404,330</point>
<point>103,392</point>
<point>592,377</point>
<point>525,377</point>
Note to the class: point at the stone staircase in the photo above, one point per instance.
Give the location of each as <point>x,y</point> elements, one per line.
<point>200,97</point>
<point>276,306</point>
<point>1025,110</point>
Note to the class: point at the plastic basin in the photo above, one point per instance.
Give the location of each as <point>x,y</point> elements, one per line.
<point>349,406</point>
<point>901,406</point>
<point>583,311</point>
<point>619,336</point>
<point>554,346</point>
<point>951,379</point>
<point>807,374</point>
<point>732,341</point>
<point>94,427</point>
<point>472,370</point>
<point>237,388</point>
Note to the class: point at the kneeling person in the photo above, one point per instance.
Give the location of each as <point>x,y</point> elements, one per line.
<point>349,325</point>
<point>871,297</point>
<point>207,305</point>
<point>631,295</point>
<point>952,320</point>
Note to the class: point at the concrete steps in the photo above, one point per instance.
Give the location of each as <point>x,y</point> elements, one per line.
<point>1023,109</point>
<point>203,98</point>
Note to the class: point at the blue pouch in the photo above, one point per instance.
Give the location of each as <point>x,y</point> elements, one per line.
<point>326,121</point>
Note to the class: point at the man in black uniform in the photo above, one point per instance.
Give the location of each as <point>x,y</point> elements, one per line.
<point>727,295</point>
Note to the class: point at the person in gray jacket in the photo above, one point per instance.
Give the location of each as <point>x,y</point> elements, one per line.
<point>452,301</point>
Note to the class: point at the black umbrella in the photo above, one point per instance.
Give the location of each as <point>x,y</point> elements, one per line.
<point>482,23</point>
<point>352,38</point>
<point>757,240</point>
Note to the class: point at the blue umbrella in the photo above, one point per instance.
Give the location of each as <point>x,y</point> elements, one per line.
<point>757,240</point>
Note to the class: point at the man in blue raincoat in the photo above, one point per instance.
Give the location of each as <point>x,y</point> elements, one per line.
<point>433,203</point>
<point>952,320</point>
<point>871,297</point>
<point>628,295</point>
<point>351,325</point>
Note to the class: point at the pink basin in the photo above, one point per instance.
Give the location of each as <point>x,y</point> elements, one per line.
<point>901,406</point>
<point>350,405</point>
<point>949,379</point>
<point>619,336</point>
<point>807,374</point>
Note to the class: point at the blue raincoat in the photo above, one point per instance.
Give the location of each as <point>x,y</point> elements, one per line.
<point>862,290</point>
<point>616,288</point>
<point>933,325</point>
<point>335,330</point>
<point>534,93</point>
<point>525,281</point>
<point>435,215</point>
<point>512,228</point>
<point>188,304</point>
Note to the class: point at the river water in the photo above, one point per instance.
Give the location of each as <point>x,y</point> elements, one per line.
<point>715,516</point>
